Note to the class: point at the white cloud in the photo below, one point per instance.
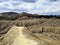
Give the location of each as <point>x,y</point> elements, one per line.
<point>40,6</point>
<point>4,11</point>
<point>7,5</point>
<point>27,6</point>
<point>54,7</point>
<point>49,7</point>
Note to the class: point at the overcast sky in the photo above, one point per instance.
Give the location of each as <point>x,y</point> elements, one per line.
<point>31,6</point>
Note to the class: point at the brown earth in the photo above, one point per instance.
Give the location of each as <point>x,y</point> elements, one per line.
<point>44,30</point>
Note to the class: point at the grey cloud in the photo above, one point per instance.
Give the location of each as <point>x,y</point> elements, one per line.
<point>30,1</point>
<point>2,1</point>
<point>53,0</point>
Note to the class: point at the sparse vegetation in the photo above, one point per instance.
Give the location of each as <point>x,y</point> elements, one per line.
<point>46,25</point>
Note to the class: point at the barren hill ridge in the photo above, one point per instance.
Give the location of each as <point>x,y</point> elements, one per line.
<point>45,29</point>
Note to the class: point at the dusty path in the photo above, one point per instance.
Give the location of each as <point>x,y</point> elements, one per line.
<point>22,36</point>
<point>16,36</point>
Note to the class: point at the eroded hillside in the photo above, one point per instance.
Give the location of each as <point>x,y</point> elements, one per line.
<point>44,27</point>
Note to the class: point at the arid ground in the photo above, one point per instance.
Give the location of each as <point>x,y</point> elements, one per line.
<point>36,29</point>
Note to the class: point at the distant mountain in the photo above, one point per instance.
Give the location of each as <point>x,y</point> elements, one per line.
<point>9,13</point>
<point>14,15</point>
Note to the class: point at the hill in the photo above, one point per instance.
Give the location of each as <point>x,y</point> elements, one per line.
<point>44,27</point>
